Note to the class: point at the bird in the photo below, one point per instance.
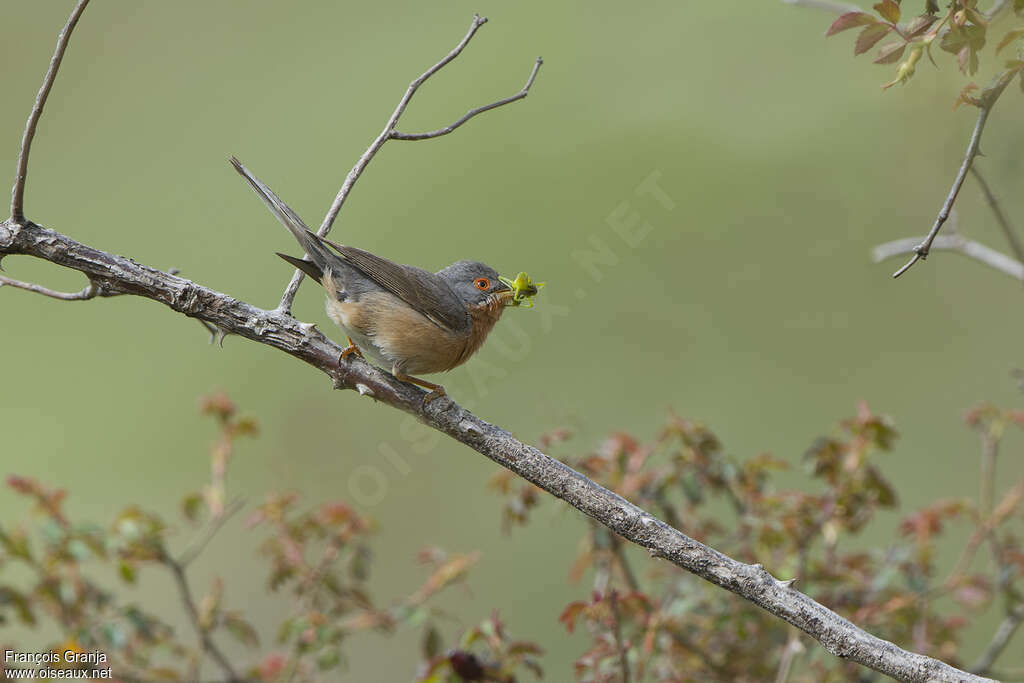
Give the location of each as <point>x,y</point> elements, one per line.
<point>399,317</point>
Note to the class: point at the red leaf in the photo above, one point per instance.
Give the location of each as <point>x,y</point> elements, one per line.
<point>848,21</point>
<point>869,36</point>
<point>570,614</point>
<point>889,10</point>
<point>890,53</point>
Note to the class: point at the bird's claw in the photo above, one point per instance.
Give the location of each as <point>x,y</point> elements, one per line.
<point>348,351</point>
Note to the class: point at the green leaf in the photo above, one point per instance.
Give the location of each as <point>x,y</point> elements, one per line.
<point>330,659</point>
<point>191,505</point>
<point>848,21</point>
<point>20,603</point>
<point>432,642</point>
<point>869,37</point>
<point>127,571</point>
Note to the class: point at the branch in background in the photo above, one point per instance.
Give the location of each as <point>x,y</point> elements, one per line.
<point>188,601</point>
<point>985,103</point>
<point>827,5</point>
<point>18,191</point>
<point>1001,218</point>
<point>279,330</point>
<point>1009,625</point>
<point>198,545</point>
<point>975,250</point>
<point>620,643</point>
<point>390,133</point>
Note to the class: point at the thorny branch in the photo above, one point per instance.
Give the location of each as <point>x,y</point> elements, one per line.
<point>985,104</point>
<point>276,328</point>
<point>390,132</point>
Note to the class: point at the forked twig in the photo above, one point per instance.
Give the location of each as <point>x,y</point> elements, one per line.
<point>390,132</point>
<point>985,104</point>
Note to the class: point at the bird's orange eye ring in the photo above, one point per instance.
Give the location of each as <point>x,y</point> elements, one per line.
<point>482,283</point>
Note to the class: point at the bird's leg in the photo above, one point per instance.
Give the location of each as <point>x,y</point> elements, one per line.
<point>436,390</point>
<point>348,351</point>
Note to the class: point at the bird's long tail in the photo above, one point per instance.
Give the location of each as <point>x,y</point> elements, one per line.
<point>289,219</point>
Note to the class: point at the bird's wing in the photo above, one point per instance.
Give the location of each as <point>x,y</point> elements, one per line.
<point>426,292</point>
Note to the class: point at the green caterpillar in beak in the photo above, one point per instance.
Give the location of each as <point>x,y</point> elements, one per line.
<point>523,290</point>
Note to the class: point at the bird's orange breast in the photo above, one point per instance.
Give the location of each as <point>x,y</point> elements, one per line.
<point>403,337</point>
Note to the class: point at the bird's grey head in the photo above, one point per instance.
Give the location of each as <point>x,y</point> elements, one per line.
<point>473,282</point>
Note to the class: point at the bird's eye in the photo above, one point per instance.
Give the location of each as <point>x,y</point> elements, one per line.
<point>482,283</point>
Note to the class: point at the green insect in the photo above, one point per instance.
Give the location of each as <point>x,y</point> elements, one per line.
<point>523,289</point>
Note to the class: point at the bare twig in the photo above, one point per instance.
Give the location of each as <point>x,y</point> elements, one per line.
<point>997,8</point>
<point>985,104</point>
<point>790,650</point>
<point>196,547</point>
<point>188,601</point>
<point>620,643</point>
<point>970,248</point>
<point>277,329</point>
<point>391,133</point>
<point>18,191</point>
<point>1004,222</point>
<point>89,292</point>
<point>620,557</point>
<point>826,5</point>
<point>1000,639</point>
<point>473,112</point>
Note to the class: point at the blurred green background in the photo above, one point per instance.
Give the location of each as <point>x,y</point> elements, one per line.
<point>752,304</point>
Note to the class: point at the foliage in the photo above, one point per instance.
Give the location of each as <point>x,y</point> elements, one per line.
<point>669,626</point>
<point>656,625</point>
<point>320,556</point>
<point>962,30</point>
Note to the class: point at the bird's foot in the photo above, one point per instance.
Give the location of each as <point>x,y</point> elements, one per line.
<point>436,390</point>
<point>348,351</point>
